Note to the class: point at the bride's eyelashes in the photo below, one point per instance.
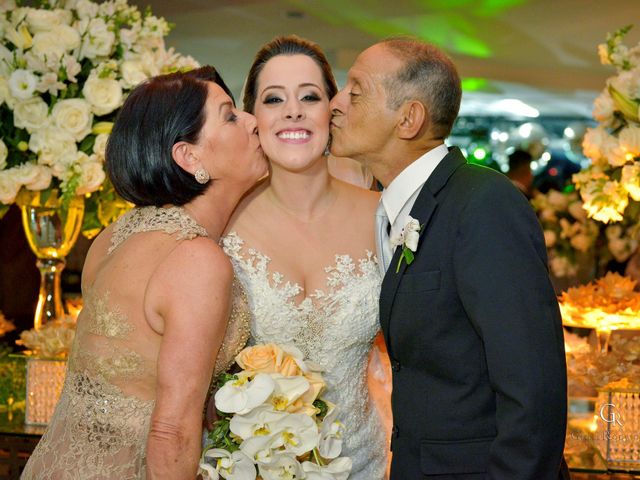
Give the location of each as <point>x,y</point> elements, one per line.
<point>308,98</point>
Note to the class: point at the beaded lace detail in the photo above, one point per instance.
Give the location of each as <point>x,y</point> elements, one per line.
<point>334,328</point>
<point>146,219</point>
<point>100,426</point>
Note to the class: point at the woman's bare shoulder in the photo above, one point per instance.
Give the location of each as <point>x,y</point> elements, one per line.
<point>361,199</point>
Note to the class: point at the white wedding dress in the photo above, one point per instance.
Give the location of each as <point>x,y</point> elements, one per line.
<point>334,328</point>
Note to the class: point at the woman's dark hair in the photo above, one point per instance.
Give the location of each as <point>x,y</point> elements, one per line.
<point>157,114</point>
<point>286,45</point>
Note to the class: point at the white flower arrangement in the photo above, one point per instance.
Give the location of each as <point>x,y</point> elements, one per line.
<point>570,234</point>
<point>65,69</point>
<point>273,423</point>
<point>612,182</point>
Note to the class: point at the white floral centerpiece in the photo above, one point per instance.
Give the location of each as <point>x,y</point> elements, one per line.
<point>65,70</point>
<point>273,423</point>
<point>610,186</point>
<point>572,237</point>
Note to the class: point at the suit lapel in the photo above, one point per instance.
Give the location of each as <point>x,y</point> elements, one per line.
<point>422,210</point>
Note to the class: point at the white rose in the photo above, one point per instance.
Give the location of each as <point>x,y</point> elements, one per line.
<point>550,238</point>
<point>4,152</point>
<point>52,144</point>
<point>132,73</point>
<point>69,165</point>
<point>22,84</point>
<point>43,20</point>
<point>31,114</point>
<point>104,94</point>
<point>629,139</point>
<point>32,176</point>
<point>56,41</point>
<point>98,40</point>
<point>8,187</point>
<point>91,178</point>
<point>73,115</point>
<point>100,145</point>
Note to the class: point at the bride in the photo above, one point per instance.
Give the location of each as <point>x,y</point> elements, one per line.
<point>302,242</point>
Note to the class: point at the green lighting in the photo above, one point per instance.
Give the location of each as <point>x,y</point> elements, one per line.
<point>472,84</point>
<point>479,154</point>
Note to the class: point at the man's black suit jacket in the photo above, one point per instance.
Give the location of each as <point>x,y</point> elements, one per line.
<point>474,334</point>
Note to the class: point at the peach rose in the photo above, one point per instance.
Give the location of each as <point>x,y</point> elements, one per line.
<point>268,358</point>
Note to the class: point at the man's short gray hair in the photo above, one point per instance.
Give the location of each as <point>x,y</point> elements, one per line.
<point>429,76</point>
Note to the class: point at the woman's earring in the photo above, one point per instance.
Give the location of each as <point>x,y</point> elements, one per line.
<point>327,149</point>
<point>202,176</point>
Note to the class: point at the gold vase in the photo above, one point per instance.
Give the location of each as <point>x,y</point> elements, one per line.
<point>51,232</point>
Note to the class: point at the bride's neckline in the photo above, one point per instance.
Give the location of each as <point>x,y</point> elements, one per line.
<point>288,289</point>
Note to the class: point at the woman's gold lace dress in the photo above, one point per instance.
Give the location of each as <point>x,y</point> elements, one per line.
<point>100,425</point>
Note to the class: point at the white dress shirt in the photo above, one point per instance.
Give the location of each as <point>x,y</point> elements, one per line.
<point>398,198</point>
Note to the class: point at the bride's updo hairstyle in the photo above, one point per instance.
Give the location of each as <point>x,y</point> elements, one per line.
<point>286,45</point>
<point>156,115</point>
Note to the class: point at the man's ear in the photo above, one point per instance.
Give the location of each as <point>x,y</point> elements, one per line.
<point>183,155</point>
<point>413,119</point>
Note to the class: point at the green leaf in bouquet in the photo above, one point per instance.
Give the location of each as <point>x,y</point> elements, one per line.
<point>220,436</point>
<point>87,144</point>
<point>224,378</point>
<point>322,407</point>
<point>3,210</point>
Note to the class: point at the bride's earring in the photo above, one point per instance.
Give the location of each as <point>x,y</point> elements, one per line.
<point>327,149</point>
<point>202,176</point>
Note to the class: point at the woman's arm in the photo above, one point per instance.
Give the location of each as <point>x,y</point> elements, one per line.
<point>190,292</point>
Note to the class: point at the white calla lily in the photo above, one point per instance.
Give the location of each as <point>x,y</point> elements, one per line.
<point>243,395</point>
<point>258,422</point>
<point>339,469</point>
<point>331,433</point>
<point>231,466</point>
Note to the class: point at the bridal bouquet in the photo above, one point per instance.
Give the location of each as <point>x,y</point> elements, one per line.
<point>65,70</point>
<point>273,423</point>
<point>610,187</point>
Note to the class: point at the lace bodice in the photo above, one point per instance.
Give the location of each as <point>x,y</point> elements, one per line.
<point>334,328</point>
<point>100,426</point>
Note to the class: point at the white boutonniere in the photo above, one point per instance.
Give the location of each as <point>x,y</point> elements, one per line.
<point>408,239</point>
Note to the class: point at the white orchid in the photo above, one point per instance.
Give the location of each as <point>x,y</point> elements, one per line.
<point>244,394</point>
<point>259,421</point>
<point>231,466</point>
<point>282,467</point>
<point>338,469</point>
<point>297,433</point>
<point>274,416</point>
<point>331,434</point>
